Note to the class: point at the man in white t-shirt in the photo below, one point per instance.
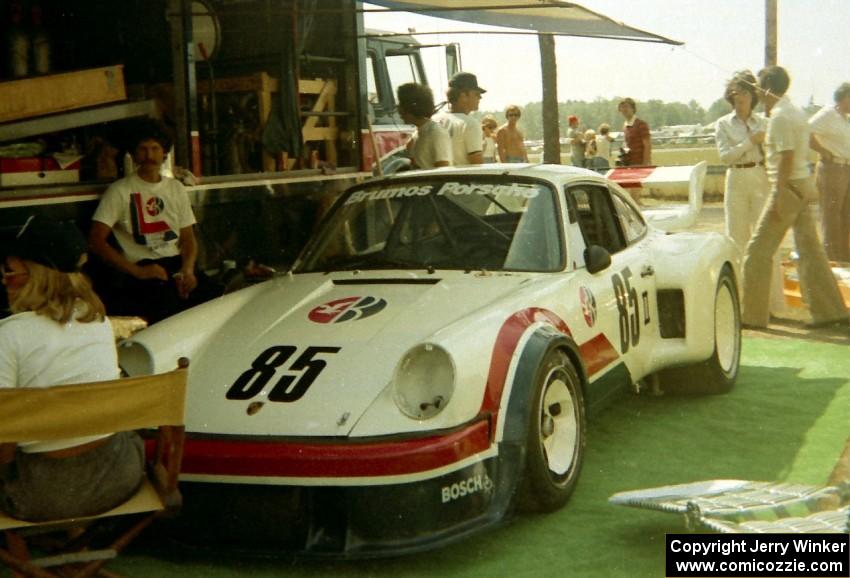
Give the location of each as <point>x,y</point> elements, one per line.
<point>430,146</point>
<point>831,140</point>
<point>464,95</point>
<point>150,216</point>
<point>786,145</point>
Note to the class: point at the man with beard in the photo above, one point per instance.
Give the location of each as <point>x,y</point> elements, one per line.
<point>153,267</point>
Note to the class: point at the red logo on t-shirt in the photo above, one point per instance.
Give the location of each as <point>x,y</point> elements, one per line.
<point>154,206</point>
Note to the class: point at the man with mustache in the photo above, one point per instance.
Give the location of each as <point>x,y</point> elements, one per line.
<point>153,267</point>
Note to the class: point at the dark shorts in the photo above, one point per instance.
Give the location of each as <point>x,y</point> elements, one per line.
<point>36,488</point>
<point>152,299</point>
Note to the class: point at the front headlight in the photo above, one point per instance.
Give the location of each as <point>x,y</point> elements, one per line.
<point>424,381</point>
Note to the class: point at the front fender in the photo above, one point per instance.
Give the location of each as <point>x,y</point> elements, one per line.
<point>157,348</point>
<point>542,341</point>
<point>516,415</point>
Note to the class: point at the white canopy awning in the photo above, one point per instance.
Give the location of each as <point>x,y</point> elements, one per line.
<point>541,16</point>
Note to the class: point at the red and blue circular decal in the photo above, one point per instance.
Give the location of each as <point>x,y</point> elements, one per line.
<point>347,309</point>
<point>154,206</point>
<point>588,306</point>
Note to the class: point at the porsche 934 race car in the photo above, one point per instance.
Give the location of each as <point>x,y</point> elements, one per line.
<point>428,364</point>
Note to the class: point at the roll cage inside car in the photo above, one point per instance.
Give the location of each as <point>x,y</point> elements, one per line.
<point>425,229</point>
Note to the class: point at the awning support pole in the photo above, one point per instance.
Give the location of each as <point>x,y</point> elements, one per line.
<point>549,69</point>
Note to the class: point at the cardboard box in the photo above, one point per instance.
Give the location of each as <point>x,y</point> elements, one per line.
<point>37,171</point>
<point>40,95</point>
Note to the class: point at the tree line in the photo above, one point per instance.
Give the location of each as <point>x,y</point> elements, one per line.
<point>591,114</point>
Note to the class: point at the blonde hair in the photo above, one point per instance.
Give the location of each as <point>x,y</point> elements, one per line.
<point>489,121</point>
<point>54,294</point>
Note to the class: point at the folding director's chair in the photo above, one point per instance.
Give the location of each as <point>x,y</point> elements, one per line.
<point>156,401</point>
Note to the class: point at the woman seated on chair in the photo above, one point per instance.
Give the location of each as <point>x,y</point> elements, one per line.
<point>58,334</point>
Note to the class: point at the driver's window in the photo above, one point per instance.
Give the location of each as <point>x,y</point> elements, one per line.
<point>596,218</point>
<point>401,69</point>
<point>371,81</point>
<point>631,221</point>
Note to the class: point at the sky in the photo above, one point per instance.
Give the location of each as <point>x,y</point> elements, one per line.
<point>720,36</point>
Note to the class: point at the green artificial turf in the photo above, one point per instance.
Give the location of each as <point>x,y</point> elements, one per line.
<point>786,419</point>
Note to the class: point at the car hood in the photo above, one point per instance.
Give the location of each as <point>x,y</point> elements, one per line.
<point>329,343</point>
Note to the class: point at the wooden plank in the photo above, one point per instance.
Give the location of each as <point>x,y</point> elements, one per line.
<point>321,133</point>
<point>30,97</point>
<point>259,82</point>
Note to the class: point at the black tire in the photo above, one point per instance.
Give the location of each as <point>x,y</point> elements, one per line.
<point>548,481</point>
<point>718,373</point>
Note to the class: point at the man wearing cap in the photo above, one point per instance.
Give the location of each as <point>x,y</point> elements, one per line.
<point>150,216</point>
<point>463,95</point>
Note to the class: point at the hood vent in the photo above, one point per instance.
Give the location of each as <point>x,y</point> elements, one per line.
<point>394,281</point>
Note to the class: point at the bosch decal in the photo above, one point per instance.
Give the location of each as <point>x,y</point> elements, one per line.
<point>347,309</point>
<point>467,487</point>
<point>588,306</point>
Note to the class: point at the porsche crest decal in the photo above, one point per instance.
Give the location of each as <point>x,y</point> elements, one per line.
<point>588,306</point>
<point>347,309</point>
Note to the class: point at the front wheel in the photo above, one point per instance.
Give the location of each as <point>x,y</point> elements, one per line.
<point>555,438</point>
<point>717,374</point>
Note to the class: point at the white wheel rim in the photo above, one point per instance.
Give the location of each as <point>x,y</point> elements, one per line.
<point>726,331</point>
<point>558,414</point>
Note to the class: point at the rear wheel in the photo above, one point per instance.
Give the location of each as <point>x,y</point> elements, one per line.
<point>717,374</point>
<point>555,438</point>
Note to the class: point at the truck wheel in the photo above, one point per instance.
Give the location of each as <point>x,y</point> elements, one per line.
<point>556,436</point>
<point>717,374</point>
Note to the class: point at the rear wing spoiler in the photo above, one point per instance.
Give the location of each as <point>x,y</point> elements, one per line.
<point>670,219</point>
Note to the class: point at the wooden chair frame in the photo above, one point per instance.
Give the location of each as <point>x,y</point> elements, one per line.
<point>156,401</point>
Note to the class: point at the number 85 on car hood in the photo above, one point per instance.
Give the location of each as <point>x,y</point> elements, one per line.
<point>347,354</point>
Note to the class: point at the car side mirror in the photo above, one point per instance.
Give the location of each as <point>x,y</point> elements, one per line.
<point>596,258</point>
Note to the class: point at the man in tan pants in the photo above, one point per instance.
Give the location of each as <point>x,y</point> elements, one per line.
<point>831,139</point>
<point>792,189</point>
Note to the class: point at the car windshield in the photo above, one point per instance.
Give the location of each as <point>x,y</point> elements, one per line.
<point>496,224</point>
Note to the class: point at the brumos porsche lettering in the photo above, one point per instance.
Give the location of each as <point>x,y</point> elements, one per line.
<point>471,485</point>
<point>388,193</point>
<point>295,381</point>
<point>347,309</point>
<point>509,190</point>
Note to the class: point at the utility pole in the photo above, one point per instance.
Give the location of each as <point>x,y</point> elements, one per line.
<point>770,32</point>
<point>549,70</point>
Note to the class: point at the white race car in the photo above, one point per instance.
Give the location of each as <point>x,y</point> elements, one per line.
<point>427,365</point>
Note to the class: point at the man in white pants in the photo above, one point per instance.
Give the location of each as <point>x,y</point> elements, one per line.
<point>792,189</point>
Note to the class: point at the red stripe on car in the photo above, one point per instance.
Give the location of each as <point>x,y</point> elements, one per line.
<point>506,343</point>
<point>597,353</point>
<point>630,177</point>
<point>351,459</point>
